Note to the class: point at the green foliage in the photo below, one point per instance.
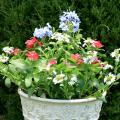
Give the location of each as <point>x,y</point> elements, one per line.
<point>111,109</point>
<point>100,19</point>
<point>10,105</point>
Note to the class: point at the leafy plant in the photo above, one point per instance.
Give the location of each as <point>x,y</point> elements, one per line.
<point>61,65</point>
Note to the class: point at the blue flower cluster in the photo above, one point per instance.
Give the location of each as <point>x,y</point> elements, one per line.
<point>42,32</point>
<point>69,17</point>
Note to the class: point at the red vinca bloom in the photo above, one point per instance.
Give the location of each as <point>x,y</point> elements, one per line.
<point>96,44</point>
<point>30,43</point>
<point>39,43</point>
<point>52,62</point>
<point>16,51</point>
<point>75,57</point>
<point>32,55</point>
<point>80,61</point>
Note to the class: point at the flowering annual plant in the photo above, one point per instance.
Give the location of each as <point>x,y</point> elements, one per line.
<point>61,64</point>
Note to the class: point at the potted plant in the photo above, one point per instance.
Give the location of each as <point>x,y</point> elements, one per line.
<point>60,74</point>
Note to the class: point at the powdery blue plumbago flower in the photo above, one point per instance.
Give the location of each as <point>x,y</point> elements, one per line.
<point>42,32</point>
<point>110,78</point>
<point>8,50</point>
<point>3,58</point>
<point>67,18</point>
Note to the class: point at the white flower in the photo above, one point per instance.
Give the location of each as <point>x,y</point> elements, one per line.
<point>104,93</point>
<point>49,78</point>
<point>91,56</point>
<point>109,79</point>
<point>61,37</point>
<point>73,80</point>
<point>92,53</point>
<point>8,50</point>
<point>116,54</point>
<point>107,66</point>
<point>66,38</point>
<point>59,78</point>
<point>89,40</point>
<point>3,59</point>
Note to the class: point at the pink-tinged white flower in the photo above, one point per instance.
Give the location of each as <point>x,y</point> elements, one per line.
<point>107,66</point>
<point>59,78</point>
<point>95,60</point>
<point>8,50</point>
<point>91,60</point>
<point>110,78</point>
<point>61,37</point>
<point>73,80</point>
<point>96,44</point>
<point>4,59</point>
<point>32,55</point>
<point>116,54</point>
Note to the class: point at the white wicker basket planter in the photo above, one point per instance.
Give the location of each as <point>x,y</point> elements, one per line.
<point>36,108</point>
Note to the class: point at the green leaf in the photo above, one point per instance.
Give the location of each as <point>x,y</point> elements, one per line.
<point>28,81</point>
<point>8,82</point>
<point>30,91</point>
<point>118,76</point>
<point>36,77</point>
<point>18,63</point>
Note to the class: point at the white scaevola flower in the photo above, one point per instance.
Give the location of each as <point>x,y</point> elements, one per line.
<point>116,54</point>
<point>61,37</point>
<point>89,40</point>
<point>73,80</point>
<point>49,78</point>
<point>92,53</point>
<point>104,93</point>
<point>3,59</point>
<point>66,38</point>
<point>109,79</point>
<point>107,66</point>
<point>59,78</point>
<point>8,50</point>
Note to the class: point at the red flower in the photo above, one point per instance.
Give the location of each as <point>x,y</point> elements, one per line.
<point>39,43</point>
<point>75,57</point>
<point>80,61</point>
<point>30,43</point>
<point>52,62</point>
<point>16,51</point>
<point>32,55</point>
<point>96,44</point>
